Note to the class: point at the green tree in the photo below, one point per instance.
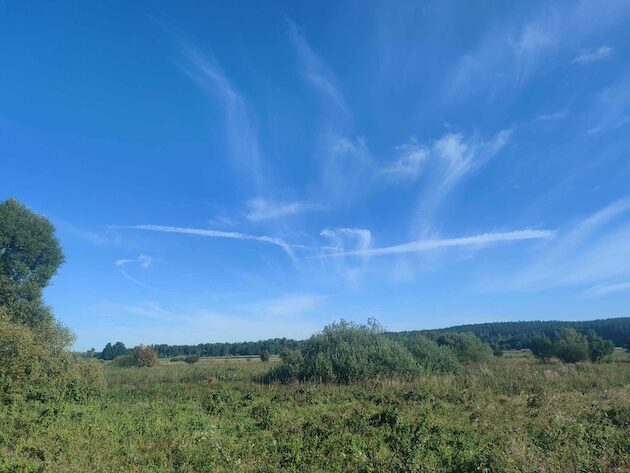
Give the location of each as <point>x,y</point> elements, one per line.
<point>29,256</point>
<point>571,346</point>
<point>598,348</point>
<point>467,347</point>
<point>192,359</point>
<point>345,352</point>
<point>541,347</point>
<point>264,356</point>
<point>35,362</point>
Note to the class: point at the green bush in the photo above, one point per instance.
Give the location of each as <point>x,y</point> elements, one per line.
<point>432,357</point>
<point>598,348</point>
<point>571,346</point>
<point>467,347</point>
<point>345,352</point>
<point>191,359</point>
<point>264,356</point>
<point>140,356</point>
<point>542,347</point>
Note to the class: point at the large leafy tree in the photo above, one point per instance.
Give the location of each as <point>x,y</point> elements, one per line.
<point>34,360</point>
<point>29,256</point>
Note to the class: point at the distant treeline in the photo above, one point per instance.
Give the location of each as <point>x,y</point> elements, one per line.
<point>503,335</point>
<point>518,335</point>
<point>273,346</point>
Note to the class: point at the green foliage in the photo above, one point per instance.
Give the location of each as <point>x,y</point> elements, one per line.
<point>542,348</point>
<point>517,335</point>
<point>29,256</point>
<point>346,352</point>
<point>509,414</point>
<point>628,344</point>
<point>571,346</point>
<point>112,351</point>
<point>140,357</point>
<point>467,347</point>
<point>432,357</point>
<point>598,348</point>
<point>35,363</point>
<point>264,356</point>
<point>191,359</point>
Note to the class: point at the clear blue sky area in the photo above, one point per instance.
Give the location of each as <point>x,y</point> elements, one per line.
<point>223,171</point>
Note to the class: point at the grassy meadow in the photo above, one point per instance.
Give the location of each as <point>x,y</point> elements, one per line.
<point>509,414</point>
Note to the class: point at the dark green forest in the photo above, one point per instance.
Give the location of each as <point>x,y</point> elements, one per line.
<point>502,335</point>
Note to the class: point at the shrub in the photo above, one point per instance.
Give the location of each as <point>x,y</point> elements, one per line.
<point>191,359</point>
<point>124,361</point>
<point>345,352</point>
<point>264,356</point>
<point>432,357</point>
<point>145,357</point>
<point>541,347</point>
<point>141,357</point>
<point>467,347</point>
<point>571,346</point>
<point>598,348</point>
<point>497,351</point>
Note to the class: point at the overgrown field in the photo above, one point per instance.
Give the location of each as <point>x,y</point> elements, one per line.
<point>510,414</point>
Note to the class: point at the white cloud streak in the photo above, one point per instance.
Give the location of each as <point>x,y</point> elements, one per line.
<point>409,163</point>
<point>143,261</point>
<point>593,55</point>
<point>240,128</point>
<point>215,234</point>
<point>315,69</point>
<point>430,245</point>
<point>593,251</point>
<point>288,306</point>
<point>454,158</point>
<point>605,289</point>
<point>263,209</point>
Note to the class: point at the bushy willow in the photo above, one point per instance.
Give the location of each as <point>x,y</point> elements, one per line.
<point>35,362</point>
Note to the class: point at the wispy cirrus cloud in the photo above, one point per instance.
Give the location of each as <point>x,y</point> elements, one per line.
<point>142,261</point>
<point>316,70</point>
<point>605,289</point>
<point>345,239</point>
<point>288,248</point>
<point>589,56</point>
<point>612,107</point>
<point>263,209</point>
<point>454,157</point>
<point>287,306</point>
<point>347,167</point>
<point>592,252</point>
<point>480,240</point>
<point>411,157</point>
<point>240,128</point>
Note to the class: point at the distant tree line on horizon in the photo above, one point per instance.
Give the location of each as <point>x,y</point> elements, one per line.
<point>519,335</point>
<point>499,335</point>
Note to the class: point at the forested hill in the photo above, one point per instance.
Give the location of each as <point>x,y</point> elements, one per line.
<point>506,335</point>
<point>515,335</point>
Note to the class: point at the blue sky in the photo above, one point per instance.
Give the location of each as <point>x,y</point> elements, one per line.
<point>223,171</point>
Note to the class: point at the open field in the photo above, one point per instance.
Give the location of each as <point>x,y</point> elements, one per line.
<point>511,414</point>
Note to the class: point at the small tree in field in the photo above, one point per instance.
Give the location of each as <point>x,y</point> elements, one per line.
<point>598,348</point>
<point>191,359</point>
<point>264,356</point>
<point>572,346</point>
<point>542,348</point>
<point>628,344</point>
<point>145,357</point>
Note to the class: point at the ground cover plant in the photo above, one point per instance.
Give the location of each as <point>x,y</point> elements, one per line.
<point>507,414</point>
